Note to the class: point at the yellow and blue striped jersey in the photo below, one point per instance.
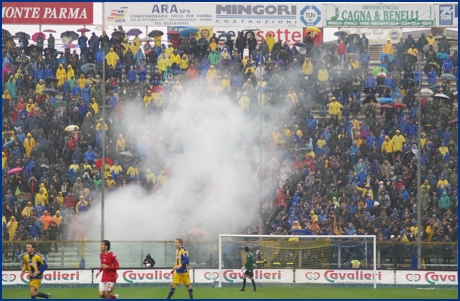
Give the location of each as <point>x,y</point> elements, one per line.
<point>182,259</point>
<point>34,262</point>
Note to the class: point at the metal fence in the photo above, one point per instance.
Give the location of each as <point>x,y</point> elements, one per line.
<point>204,254</point>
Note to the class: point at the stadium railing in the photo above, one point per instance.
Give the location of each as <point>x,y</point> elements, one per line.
<point>204,254</point>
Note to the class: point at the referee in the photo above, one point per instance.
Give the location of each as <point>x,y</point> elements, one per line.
<point>249,270</point>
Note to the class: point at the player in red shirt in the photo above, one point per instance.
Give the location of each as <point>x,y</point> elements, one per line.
<point>109,266</point>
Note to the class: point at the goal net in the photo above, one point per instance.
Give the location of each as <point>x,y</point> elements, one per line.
<point>300,259</point>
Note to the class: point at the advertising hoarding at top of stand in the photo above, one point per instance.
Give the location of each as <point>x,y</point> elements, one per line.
<point>47,13</point>
<point>268,15</point>
<point>446,15</point>
<point>221,14</point>
<point>160,14</point>
<point>381,15</point>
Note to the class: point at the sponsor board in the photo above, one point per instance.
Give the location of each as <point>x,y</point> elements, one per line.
<point>145,276</point>
<point>221,14</point>
<point>158,14</point>
<point>236,276</point>
<point>50,276</point>
<point>288,35</point>
<point>376,35</point>
<point>370,14</point>
<point>268,15</point>
<point>446,15</point>
<point>203,31</point>
<point>343,276</point>
<point>47,13</point>
<point>131,276</point>
<point>427,277</point>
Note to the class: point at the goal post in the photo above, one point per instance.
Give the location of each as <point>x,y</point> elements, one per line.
<point>283,258</point>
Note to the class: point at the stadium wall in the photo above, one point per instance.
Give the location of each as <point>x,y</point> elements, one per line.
<point>265,276</point>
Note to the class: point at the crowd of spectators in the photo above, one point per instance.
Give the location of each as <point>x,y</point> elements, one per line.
<point>348,169</point>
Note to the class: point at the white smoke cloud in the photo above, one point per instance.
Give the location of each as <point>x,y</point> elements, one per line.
<point>210,146</point>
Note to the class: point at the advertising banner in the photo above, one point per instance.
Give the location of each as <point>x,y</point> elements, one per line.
<point>381,15</point>
<point>47,13</point>
<point>376,35</point>
<point>268,15</point>
<point>158,14</point>
<point>236,276</point>
<point>427,277</point>
<point>203,31</point>
<point>446,15</point>
<point>343,276</point>
<point>288,35</point>
<point>144,276</point>
<point>50,277</point>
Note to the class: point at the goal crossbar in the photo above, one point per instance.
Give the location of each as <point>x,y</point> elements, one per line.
<point>373,237</point>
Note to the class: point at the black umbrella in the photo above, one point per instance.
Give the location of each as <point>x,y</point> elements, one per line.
<point>72,34</point>
<point>155,32</point>
<point>6,33</point>
<point>368,99</point>
<point>51,91</point>
<point>334,60</point>
<point>303,45</point>
<point>323,92</point>
<point>58,53</point>
<point>18,61</point>
<point>411,58</point>
<point>339,33</point>
<point>352,37</point>
<point>20,33</point>
<point>49,80</point>
<point>29,49</point>
<point>106,107</point>
<point>118,34</point>
<point>199,47</point>
<point>227,34</point>
<point>381,87</point>
<point>427,68</point>
<point>51,50</point>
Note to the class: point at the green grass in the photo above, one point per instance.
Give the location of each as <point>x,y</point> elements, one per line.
<point>233,293</point>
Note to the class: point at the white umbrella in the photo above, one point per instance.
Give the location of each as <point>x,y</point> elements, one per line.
<point>442,96</point>
<point>101,28</point>
<point>126,154</point>
<point>251,28</point>
<point>427,92</point>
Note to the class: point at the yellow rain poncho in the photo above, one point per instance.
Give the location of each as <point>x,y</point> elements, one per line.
<point>111,58</point>
<point>60,75</point>
<point>244,102</point>
<point>70,72</point>
<point>163,63</point>
<point>157,40</point>
<point>211,75</point>
<point>307,67</point>
<point>270,40</point>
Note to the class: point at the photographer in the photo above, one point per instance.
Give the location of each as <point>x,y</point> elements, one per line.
<point>149,262</point>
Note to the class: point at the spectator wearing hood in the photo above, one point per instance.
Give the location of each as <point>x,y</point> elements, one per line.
<point>448,65</point>
<point>90,155</point>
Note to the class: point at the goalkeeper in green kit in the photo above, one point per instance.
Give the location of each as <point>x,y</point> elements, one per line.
<point>248,270</point>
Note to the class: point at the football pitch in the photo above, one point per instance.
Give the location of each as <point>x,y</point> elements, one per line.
<point>233,293</point>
